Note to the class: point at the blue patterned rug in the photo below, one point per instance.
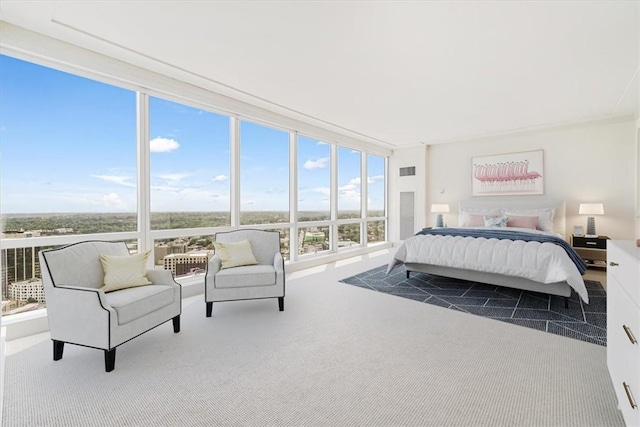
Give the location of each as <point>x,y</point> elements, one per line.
<point>586,322</point>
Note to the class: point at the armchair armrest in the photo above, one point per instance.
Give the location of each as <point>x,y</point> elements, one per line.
<point>90,295</point>
<point>214,265</point>
<point>80,315</point>
<point>161,277</point>
<point>278,262</point>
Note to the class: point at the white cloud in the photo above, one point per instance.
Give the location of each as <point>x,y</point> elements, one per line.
<point>220,178</point>
<point>322,143</point>
<point>165,188</point>
<point>348,187</point>
<point>163,145</point>
<point>173,177</point>
<point>355,181</point>
<point>323,190</point>
<point>116,179</point>
<point>112,200</point>
<point>321,163</point>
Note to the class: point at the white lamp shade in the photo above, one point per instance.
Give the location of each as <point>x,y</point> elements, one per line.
<point>591,209</point>
<point>444,208</point>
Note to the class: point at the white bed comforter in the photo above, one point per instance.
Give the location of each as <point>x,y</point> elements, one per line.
<point>541,262</point>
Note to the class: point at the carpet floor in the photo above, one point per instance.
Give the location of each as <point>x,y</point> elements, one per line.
<point>586,322</point>
<point>337,356</point>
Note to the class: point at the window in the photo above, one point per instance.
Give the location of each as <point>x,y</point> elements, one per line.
<point>183,256</point>
<point>264,175</point>
<point>190,167</point>
<point>349,179</point>
<point>68,153</point>
<point>314,179</point>
<point>70,168</point>
<point>313,240</point>
<point>375,231</point>
<point>349,235</point>
<point>376,186</point>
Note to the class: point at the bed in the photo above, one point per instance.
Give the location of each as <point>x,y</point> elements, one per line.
<point>518,245</point>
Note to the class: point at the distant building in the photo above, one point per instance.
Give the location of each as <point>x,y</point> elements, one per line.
<point>18,265</point>
<point>22,291</point>
<point>162,250</point>
<point>181,264</point>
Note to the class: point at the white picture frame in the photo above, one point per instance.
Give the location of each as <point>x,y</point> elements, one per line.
<point>513,174</point>
<point>578,230</point>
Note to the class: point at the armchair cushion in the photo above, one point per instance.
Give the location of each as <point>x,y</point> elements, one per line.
<point>134,303</point>
<point>121,272</point>
<point>250,275</point>
<point>234,254</point>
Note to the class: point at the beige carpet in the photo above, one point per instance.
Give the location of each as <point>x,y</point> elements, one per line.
<point>337,356</point>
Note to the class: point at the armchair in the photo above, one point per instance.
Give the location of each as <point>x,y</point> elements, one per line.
<point>81,313</point>
<point>263,278</point>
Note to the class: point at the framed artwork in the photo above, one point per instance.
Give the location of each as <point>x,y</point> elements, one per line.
<point>508,174</point>
<point>578,230</point>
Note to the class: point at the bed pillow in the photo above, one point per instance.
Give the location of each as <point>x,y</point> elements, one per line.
<point>545,216</point>
<point>235,254</point>
<point>523,222</point>
<point>475,217</point>
<point>474,220</point>
<point>495,221</point>
<point>121,272</point>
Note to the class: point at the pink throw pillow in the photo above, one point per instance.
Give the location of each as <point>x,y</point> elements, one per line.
<point>474,220</point>
<point>523,222</point>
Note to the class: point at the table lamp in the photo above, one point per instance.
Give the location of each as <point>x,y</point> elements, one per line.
<point>440,209</point>
<point>591,209</point>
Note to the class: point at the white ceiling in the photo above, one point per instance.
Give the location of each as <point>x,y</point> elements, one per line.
<point>399,72</point>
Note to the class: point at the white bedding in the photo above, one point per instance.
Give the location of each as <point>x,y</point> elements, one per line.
<point>540,262</point>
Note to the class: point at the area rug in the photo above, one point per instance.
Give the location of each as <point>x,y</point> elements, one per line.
<point>586,322</point>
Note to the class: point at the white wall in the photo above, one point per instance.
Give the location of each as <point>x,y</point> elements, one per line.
<point>589,163</point>
<point>406,157</point>
<point>637,135</point>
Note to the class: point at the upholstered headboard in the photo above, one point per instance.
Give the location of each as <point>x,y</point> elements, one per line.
<point>521,203</point>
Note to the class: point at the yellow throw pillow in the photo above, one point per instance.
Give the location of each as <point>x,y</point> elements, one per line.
<point>235,254</point>
<point>121,272</point>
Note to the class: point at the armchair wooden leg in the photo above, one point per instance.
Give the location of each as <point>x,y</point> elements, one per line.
<point>281,303</point>
<point>176,324</point>
<point>58,348</point>
<point>209,308</point>
<point>109,360</point>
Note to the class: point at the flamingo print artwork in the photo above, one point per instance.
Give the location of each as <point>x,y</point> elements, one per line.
<point>519,173</point>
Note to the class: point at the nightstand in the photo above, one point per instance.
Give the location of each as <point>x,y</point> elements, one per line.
<point>591,249</point>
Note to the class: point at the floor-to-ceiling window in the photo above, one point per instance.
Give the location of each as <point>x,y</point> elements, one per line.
<point>73,168</point>
<point>349,197</point>
<point>189,166</point>
<point>68,168</point>
<point>264,174</point>
<point>376,198</point>
<point>314,196</point>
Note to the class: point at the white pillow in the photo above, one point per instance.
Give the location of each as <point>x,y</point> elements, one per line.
<point>545,216</point>
<point>235,254</point>
<point>121,272</point>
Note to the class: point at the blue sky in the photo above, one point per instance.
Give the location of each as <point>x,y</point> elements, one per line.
<point>68,144</point>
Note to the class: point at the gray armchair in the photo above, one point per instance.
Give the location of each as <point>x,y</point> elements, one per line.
<point>264,279</point>
<point>80,313</point>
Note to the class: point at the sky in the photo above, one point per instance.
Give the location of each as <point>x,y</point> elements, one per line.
<point>68,144</point>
